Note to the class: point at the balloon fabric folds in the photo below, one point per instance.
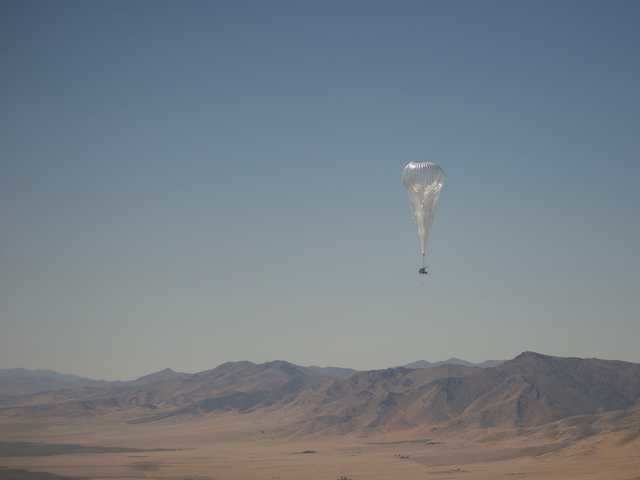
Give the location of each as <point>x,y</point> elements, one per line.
<point>423,181</point>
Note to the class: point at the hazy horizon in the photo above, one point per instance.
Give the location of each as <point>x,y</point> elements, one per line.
<point>244,360</point>
<point>434,362</point>
<point>189,184</point>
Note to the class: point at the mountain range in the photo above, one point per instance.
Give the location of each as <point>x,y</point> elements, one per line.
<point>528,391</point>
<point>21,381</point>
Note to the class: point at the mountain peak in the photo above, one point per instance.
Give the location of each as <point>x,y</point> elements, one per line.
<point>531,355</point>
<point>166,374</point>
<point>457,361</point>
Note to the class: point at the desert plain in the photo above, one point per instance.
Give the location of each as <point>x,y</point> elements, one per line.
<point>60,435</point>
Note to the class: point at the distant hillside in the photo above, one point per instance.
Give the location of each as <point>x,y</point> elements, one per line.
<point>376,400</point>
<point>336,372</point>
<point>453,361</point>
<point>20,381</point>
<point>533,389</point>
<point>529,391</point>
<point>161,376</point>
<point>233,385</point>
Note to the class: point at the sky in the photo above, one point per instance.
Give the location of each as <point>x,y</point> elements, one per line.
<point>189,183</point>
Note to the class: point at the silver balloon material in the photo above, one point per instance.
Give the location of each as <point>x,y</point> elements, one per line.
<point>423,181</point>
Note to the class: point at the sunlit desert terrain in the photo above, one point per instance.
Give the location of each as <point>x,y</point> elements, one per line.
<point>254,446</point>
<point>533,417</point>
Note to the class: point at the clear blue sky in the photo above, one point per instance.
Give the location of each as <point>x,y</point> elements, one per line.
<point>186,183</point>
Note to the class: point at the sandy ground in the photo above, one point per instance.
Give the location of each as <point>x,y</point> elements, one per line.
<point>235,447</point>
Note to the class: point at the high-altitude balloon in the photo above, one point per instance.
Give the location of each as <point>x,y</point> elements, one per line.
<point>423,181</point>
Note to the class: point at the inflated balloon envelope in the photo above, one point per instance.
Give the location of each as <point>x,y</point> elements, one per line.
<point>423,181</point>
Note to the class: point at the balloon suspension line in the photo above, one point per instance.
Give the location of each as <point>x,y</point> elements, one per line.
<point>423,264</point>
